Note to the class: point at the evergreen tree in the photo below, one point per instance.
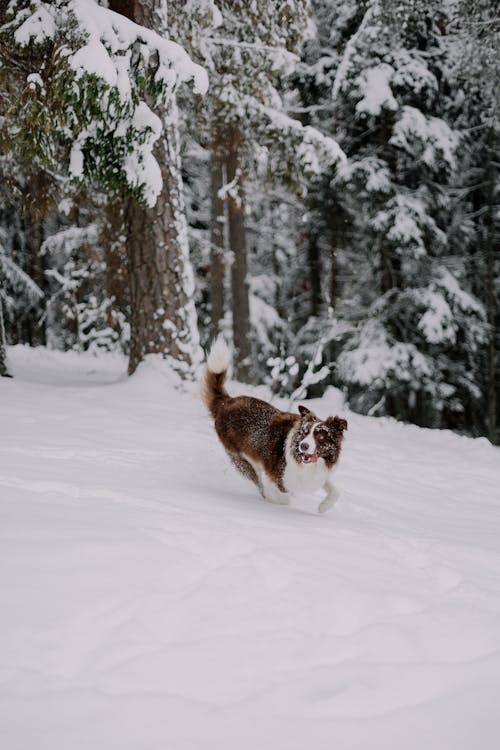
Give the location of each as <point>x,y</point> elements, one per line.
<point>87,113</point>
<point>476,28</point>
<point>379,273</point>
<point>412,347</point>
<point>248,49</point>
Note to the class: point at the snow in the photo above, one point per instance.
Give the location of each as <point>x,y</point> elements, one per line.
<point>369,173</point>
<point>446,281</point>
<point>314,151</point>
<point>151,600</point>
<point>140,166</point>
<point>109,33</point>
<point>412,73</point>
<point>428,138</point>
<point>38,26</point>
<point>76,160</point>
<point>33,80</point>
<point>105,41</point>
<point>437,323</point>
<point>373,85</point>
<point>376,357</point>
<point>404,220</point>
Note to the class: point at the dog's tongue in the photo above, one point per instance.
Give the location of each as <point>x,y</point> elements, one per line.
<point>311,457</point>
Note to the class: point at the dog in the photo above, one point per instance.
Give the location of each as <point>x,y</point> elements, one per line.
<point>282,453</point>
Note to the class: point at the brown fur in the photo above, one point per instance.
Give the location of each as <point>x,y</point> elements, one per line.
<point>250,427</point>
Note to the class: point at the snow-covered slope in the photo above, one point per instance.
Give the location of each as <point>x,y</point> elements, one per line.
<point>150,599</point>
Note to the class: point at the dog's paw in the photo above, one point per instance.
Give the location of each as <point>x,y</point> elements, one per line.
<point>326,504</point>
<point>329,500</point>
<point>278,498</point>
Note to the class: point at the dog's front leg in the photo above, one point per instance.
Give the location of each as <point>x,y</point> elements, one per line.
<point>331,498</point>
<point>272,493</point>
<point>280,498</point>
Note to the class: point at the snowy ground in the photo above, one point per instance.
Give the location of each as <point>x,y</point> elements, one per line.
<point>150,599</point>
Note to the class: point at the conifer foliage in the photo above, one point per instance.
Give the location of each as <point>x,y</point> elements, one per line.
<point>317,179</point>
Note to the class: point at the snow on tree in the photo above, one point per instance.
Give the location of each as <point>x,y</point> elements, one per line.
<point>17,290</point>
<point>378,273</point>
<point>88,112</point>
<point>475,29</point>
<point>105,69</point>
<point>249,48</point>
<point>384,75</point>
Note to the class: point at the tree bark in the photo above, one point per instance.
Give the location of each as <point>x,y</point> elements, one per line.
<point>490,294</point>
<point>117,281</point>
<point>217,219</point>
<point>33,332</point>
<point>3,353</point>
<point>162,312</point>
<point>237,242</point>
<point>333,286</point>
<point>163,317</point>
<point>313,260</point>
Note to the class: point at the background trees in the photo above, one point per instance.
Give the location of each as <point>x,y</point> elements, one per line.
<point>87,116</point>
<point>377,273</point>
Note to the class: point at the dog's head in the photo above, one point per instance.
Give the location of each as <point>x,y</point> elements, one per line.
<point>316,438</point>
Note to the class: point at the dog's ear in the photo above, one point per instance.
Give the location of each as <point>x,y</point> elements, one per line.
<point>304,410</point>
<point>337,423</point>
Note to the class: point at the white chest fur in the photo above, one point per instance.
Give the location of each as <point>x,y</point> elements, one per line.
<point>303,477</point>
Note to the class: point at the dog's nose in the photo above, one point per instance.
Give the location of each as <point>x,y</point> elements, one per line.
<point>303,447</point>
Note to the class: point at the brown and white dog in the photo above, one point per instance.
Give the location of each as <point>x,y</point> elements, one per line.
<point>282,453</point>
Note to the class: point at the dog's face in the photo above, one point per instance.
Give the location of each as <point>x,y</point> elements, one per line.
<point>316,438</point>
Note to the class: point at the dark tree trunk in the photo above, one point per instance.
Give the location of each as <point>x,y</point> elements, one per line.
<point>490,293</point>
<point>32,331</point>
<point>389,262</point>
<point>3,354</point>
<point>117,280</point>
<point>387,278</point>
<point>237,242</point>
<point>159,286</point>
<point>216,239</point>
<point>313,259</point>
<point>333,262</point>
<point>162,314</point>
<point>336,226</point>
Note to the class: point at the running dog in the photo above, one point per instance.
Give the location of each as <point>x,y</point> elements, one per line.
<point>281,452</point>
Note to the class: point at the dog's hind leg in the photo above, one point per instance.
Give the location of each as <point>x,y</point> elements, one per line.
<point>245,468</point>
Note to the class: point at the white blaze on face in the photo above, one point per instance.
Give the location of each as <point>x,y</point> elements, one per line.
<point>308,445</point>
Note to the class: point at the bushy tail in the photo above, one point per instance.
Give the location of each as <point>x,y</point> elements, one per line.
<point>213,392</point>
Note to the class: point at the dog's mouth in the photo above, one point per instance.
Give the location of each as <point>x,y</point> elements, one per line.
<point>309,458</point>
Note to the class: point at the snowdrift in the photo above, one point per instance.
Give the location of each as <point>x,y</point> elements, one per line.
<point>150,598</point>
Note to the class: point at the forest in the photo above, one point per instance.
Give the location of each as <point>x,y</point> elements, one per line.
<point>318,180</point>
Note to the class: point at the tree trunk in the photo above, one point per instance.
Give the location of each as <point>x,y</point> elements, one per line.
<point>313,260</point>
<point>34,333</point>
<point>237,242</point>
<point>162,312</point>
<point>387,280</point>
<point>3,343</point>
<point>117,281</point>
<point>490,294</point>
<point>216,239</point>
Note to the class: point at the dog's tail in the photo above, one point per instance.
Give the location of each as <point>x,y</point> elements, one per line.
<point>213,392</point>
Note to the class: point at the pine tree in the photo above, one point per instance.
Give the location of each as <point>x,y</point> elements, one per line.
<point>388,69</point>
<point>477,35</point>
<point>87,114</point>
<point>248,49</point>
<point>3,341</point>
